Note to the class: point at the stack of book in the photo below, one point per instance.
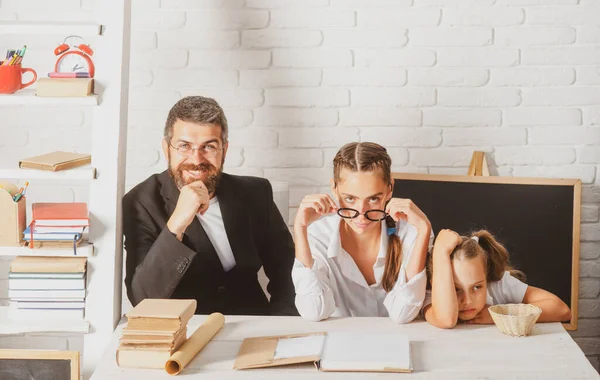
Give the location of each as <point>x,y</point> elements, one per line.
<point>57,225</point>
<point>156,328</point>
<point>47,288</point>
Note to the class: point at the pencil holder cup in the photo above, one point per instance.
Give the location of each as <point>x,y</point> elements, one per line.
<point>12,219</point>
<point>11,78</point>
<point>515,319</point>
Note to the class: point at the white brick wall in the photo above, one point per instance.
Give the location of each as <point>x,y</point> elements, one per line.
<point>432,80</point>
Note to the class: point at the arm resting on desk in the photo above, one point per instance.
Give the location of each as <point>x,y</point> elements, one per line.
<point>405,300</point>
<point>314,297</point>
<point>553,308</point>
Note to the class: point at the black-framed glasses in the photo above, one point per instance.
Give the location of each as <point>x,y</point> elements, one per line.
<point>372,215</point>
<point>207,150</point>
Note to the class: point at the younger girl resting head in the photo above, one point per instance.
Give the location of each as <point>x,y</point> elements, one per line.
<point>470,273</point>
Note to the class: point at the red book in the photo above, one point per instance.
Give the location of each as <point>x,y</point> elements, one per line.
<point>73,214</point>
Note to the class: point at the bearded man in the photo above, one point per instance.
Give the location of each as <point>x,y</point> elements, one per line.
<point>195,232</point>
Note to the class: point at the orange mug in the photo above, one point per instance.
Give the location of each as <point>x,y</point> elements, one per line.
<point>11,78</point>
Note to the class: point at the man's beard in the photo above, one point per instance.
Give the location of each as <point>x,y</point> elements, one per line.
<point>210,181</point>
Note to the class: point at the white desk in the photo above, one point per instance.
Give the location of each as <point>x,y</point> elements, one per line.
<point>466,352</point>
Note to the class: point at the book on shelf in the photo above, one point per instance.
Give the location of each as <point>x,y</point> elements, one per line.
<point>69,87</point>
<point>71,214</point>
<point>31,234</point>
<point>43,264</point>
<point>41,288</point>
<point>59,229</point>
<point>46,283</point>
<point>48,304</point>
<point>46,275</point>
<point>55,161</point>
<point>15,313</point>
<point>46,294</point>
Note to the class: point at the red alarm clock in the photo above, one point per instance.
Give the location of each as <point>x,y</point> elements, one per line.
<point>74,61</point>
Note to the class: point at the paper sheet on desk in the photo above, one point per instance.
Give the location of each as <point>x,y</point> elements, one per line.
<point>311,345</point>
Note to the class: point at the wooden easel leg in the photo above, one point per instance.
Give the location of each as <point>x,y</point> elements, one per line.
<point>478,165</point>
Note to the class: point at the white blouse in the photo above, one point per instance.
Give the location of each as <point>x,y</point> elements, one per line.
<point>334,286</point>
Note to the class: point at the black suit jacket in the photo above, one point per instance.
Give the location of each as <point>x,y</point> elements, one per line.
<point>160,266</point>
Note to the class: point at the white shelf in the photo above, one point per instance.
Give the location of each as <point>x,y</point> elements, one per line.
<point>28,97</point>
<point>81,173</point>
<point>61,28</point>
<point>84,249</point>
<point>11,326</point>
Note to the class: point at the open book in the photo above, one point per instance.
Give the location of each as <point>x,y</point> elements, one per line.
<point>335,351</point>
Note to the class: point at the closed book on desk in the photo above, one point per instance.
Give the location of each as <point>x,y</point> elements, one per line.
<point>55,161</point>
<point>335,352</point>
<point>148,354</point>
<point>160,314</point>
<point>153,343</point>
<point>136,336</point>
<point>142,358</point>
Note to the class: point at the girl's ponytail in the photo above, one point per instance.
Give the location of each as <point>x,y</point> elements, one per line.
<point>498,259</point>
<point>393,259</point>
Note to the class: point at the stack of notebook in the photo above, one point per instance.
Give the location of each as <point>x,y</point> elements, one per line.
<point>47,287</point>
<point>156,328</point>
<point>57,225</point>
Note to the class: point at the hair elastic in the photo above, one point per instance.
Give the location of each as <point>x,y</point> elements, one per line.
<point>476,238</point>
<point>391,230</point>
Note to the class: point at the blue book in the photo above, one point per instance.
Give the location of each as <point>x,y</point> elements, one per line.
<point>54,236</point>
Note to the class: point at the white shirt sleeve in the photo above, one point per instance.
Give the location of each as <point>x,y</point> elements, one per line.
<point>405,300</point>
<point>314,297</point>
<point>507,290</point>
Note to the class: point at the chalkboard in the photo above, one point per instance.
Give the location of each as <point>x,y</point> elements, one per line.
<point>39,365</point>
<point>536,219</point>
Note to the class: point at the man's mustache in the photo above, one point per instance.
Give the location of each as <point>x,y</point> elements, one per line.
<point>205,167</point>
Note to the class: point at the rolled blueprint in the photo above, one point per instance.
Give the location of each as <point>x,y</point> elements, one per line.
<point>195,343</point>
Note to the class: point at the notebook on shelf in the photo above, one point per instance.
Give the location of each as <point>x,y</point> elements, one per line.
<point>335,352</point>
<point>28,234</point>
<point>56,161</point>
<point>71,214</point>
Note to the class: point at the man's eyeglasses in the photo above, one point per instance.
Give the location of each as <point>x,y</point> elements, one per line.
<point>186,150</point>
<point>372,215</point>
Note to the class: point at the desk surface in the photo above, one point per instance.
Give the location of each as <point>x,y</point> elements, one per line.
<point>467,351</point>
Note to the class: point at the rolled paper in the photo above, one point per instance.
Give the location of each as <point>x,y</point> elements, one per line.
<point>195,343</point>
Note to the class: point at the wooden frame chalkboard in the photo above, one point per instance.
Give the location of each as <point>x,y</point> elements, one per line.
<point>39,365</point>
<point>537,219</point>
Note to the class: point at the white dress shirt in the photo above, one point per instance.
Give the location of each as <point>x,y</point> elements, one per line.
<point>212,222</point>
<point>334,286</point>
